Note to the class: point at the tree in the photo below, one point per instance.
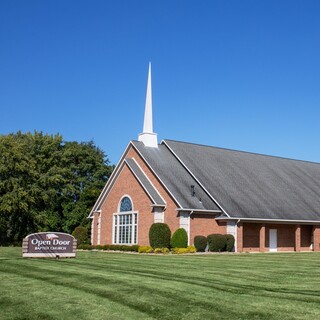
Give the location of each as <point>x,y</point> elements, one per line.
<point>47,184</point>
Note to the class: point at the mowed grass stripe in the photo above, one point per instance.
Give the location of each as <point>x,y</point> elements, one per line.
<point>122,286</point>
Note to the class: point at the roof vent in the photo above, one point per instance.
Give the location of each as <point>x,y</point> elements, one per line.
<point>192,190</point>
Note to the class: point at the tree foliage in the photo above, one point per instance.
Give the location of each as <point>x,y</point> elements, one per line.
<point>47,183</point>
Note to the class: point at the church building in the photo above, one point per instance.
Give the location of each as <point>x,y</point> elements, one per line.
<point>268,203</point>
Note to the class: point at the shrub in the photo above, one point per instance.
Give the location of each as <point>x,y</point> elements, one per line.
<point>200,242</point>
<point>165,250</point>
<point>112,247</point>
<point>85,246</point>
<point>216,242</point>
<point>229,242</point>
<point>81,234</point>
<point>135,248</point>
<point>145,249</point>
<point>157,250</point>
<point>190,249</point>
<point>159,235</point>
<point>179,239</point>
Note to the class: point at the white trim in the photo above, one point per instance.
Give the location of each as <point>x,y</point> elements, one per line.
<point>158,215</point>
<point>199,210</point>
<point>125,196</point>
<point>213,199</point>
<point>110,181</point>
<point>99,229</point>
<point>232,227</point>
<point>184,222</point>
<point>271,220</point>
<point>145,189</point>
<point>163,184</point>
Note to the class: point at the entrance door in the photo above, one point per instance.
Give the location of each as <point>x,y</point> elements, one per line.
<point>273,243</point>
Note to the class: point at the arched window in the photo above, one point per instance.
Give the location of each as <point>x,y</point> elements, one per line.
<point>125,223</point>
<point>125,205</point>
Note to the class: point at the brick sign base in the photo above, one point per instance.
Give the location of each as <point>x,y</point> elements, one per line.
<point>49,245</point>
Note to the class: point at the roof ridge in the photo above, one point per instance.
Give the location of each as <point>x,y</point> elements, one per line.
<point>241,151</point>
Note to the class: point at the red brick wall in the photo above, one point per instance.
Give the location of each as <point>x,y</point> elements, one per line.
<point>316,238</point>
<point>285,236</point>
<point>306,235</point>
<point>251,238</point>
<point>126,184</point>
<point>204,224</point>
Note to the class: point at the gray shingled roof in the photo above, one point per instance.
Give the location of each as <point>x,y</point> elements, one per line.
<point>176,178</point>
<point>251,185</point>
<point>150,189</point>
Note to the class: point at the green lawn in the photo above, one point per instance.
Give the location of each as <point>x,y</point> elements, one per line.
<point>98,285</point>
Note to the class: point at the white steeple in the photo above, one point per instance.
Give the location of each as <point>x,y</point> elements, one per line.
<point>148,137</point>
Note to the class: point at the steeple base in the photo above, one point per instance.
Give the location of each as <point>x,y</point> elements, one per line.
<point>149,139</point>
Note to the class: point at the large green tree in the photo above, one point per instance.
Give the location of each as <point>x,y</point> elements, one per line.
<point>47,183</point>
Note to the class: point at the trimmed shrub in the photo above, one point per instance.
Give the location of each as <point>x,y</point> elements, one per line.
<point>165,250</point>
<point>157,250</point>
<point>190,249</point>
<point>179,239</point>
<point>135,248</point>
<point>81,234</point>
<point>85,246</point>
<point>200,242</point>
<point>112,247</point>
<point>216,242</point>
<point>159,235</point>
<point>229,242</point>
<point>145,249</point>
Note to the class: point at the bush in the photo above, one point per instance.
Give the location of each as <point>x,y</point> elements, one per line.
<point>229,242</point>
<point>157,250</point>
<point>216,242</point>
<point>135,248</point>
<point>85,246</point>
<point>112,247</point>
<point>190,249</point>
<point>81,234</point>
<point>200,242</point>
<point>145,249</point>
<point>165,250</point>
<point>159,235</point>
<point>179,239</point>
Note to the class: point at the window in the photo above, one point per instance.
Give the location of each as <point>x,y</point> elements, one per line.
<point>125,205</point>
<point>125,223</point>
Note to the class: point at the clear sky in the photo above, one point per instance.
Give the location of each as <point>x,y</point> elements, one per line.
<point>236,74</point>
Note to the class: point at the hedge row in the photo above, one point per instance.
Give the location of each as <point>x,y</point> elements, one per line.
<point>215,242</point>
<point>112,247</point>
<point>148,249</point>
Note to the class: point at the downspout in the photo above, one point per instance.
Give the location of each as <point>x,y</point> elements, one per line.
<point>236,237</point>
<point>191,212</point>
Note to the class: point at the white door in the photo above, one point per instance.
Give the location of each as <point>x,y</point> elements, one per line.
<point>273,243</point>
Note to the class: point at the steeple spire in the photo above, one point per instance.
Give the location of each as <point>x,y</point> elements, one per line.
<point>148,137</point>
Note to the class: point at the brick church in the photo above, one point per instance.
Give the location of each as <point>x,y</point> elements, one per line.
<point>268,203</point>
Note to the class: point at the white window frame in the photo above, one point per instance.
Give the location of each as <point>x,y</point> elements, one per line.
<point>117,240</point>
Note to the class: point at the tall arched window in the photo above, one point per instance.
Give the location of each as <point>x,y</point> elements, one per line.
<point>125,223</point>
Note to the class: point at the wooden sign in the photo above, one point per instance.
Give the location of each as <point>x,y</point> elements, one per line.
<point>49,245</point>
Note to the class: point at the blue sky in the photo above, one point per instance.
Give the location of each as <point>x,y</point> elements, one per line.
<point>236,74</point>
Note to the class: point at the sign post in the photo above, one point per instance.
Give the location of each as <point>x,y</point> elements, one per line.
<point>49,245</point>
